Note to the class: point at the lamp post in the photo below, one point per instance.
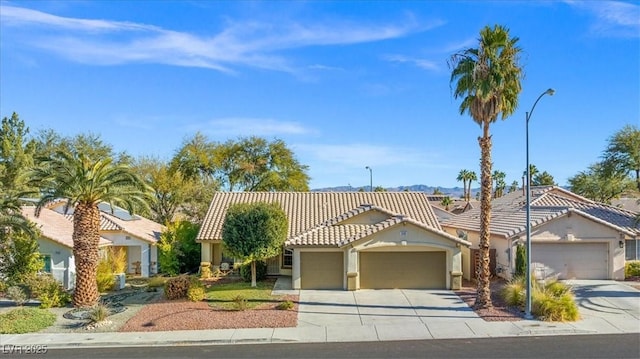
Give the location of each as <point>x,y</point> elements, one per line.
<point>370,178</point>
<point>527,313</point>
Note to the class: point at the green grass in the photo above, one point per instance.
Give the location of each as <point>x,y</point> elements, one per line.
<point>25,320</point>
<point>224,296</point>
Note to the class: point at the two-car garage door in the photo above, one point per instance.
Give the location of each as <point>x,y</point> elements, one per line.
<point>571,260</point>
<point>423,270</point>
<point>378,270</point>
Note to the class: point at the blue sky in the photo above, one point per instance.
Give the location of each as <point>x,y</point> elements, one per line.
<point>345,84</point>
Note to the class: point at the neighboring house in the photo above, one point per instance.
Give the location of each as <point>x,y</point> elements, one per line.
<point>571,236</point>
<point>457,206</point>
<point>350,240</point>
<point>137,235</point>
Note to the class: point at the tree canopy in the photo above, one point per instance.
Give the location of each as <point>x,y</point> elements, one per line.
<point>254,231</point>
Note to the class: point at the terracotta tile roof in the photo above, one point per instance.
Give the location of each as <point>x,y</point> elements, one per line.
<point>55,226</point>
<point>313,215</point>
<point>508,214</point>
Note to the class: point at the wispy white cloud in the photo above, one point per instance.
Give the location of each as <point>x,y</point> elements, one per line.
<point>421,63</point>
<point>613,18</point>
<point>252,127</point>
<point>241,43</point>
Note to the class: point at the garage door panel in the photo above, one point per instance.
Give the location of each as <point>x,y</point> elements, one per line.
<point>570,260</point>
<point>388,270</point>
<point>321,270</point>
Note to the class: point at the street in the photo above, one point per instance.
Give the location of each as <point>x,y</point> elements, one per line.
<point>573,346</point>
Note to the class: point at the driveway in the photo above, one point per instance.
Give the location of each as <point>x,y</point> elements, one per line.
<point>376,307</point>
<point>608,303</point>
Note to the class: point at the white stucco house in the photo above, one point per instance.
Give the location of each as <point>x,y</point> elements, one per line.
<point>350,240</point>
<point>137,235</point>
<point>572,237</point>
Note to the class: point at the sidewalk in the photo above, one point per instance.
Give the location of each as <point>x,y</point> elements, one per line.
<point>442,330</point>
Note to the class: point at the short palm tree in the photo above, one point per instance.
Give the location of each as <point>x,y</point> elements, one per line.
<point>84,183</point>
<point>446,202</point>
<point>11,218</point>
<point>487,79</point>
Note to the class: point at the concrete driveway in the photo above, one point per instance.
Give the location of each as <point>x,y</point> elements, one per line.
<point>380,307</point>
<point>608,304</point>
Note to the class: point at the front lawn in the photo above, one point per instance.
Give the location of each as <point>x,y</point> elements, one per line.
<point>227,295</point>
<point>26,320</point>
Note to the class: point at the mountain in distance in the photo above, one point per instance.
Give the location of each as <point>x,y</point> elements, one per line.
<point>454,192</point>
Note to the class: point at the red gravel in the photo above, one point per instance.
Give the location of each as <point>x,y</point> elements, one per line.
<point>500,312</point>
<point>186,315</point>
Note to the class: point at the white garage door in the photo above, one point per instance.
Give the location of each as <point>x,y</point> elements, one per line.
<point>570,260</point>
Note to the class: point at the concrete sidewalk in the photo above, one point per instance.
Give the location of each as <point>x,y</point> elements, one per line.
<point>341,316</point>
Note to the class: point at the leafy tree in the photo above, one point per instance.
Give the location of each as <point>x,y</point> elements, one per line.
<point>514,186</point>
<point>437,191</point>
<point>178,251</point>
<point>84,183</point>
<point>623,152</point>
<point>49,143</point>
<point>171,190</point>
<point>379,189</point>
<point>16,154</point>
<point>196,159</point>
<point>543,179</point>
<point>487,79</point>
<point>254,232</point>
<point>253,164</point>
<point>599,184</point>
<point>19,255</point>
<point>446,202</point>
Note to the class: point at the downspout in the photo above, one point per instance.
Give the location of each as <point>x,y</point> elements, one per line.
<point>149,261</point>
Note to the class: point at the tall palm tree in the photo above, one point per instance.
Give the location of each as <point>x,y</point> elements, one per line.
<point>498,177</point>
<point>487,79</point>
<point>84,183</point>
<point>471,177</point>
<point>533,172</point>
<point>463,176</point>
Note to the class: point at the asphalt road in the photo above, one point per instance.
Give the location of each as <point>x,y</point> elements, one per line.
<point>573,346</point>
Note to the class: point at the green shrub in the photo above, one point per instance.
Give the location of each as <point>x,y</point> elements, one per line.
<point>557,289</point>
<point>105,276</point>
<point>240,302</point>
<point>53,295</point>
<point>177,287</point>
<point>19,255</point>
<point>632,269</point>
<point>261,271</point>
<point>196,291</point>
<point>26,320</point>
<point>18,294</point>
<point>178,251</point>
<point>514,292</point>
<point>99,313</point>
<point>549,307</point>
<point>3,286</point>
<point>286,305</point>
<point>521,261</point>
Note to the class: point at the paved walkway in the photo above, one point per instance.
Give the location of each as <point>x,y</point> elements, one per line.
<point>380,316</point>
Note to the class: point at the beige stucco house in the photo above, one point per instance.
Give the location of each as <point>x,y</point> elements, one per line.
<point>350,240</point>
<point>137,235</point>
<point>571,236</point>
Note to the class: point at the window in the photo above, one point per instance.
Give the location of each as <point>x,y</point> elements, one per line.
<point>47,263</point>
<point>287,258</point>
<point>632,252</point>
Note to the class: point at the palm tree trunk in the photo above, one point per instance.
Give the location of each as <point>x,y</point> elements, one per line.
<point>86,238</point>
<point>483,298</point>
<point>464,190</point>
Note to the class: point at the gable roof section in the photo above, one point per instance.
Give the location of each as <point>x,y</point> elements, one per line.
<point>508,214</point>
<point>312,215</point>
<point>54,226</point>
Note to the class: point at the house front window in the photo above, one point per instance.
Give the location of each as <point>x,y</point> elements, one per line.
<point>47,263</point>
<point>632,252</point>
<point>287,258</point>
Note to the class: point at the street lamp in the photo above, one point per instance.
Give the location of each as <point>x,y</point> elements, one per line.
<point>370,178</point>
<point>527,313</point>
